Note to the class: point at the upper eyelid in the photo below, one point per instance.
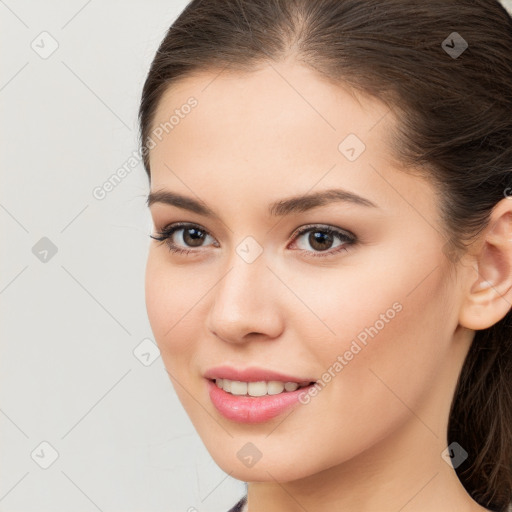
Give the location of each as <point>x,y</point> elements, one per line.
<point>308,227</point>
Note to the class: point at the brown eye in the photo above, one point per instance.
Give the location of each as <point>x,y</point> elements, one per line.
<point>321,239</point>
<point>192,236</point>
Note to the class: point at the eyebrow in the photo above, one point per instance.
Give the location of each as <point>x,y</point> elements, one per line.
<point>282,207</point>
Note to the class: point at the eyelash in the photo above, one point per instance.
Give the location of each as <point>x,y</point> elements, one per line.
<point>348,239</point>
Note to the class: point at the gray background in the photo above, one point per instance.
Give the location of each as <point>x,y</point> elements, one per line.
<point>81,378</point>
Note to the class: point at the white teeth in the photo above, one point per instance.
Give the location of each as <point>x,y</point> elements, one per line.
<point>260,388</point>
<point>238,388</point>
<point>257,388</point>
<point>291,386</point>
<point>274,387</point>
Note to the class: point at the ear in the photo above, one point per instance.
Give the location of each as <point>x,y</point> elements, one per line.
<point>489,278</point>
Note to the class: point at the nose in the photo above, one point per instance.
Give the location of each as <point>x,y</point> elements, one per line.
<point>246,303</point>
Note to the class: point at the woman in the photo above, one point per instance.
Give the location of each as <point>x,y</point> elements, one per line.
<point>330,280</point>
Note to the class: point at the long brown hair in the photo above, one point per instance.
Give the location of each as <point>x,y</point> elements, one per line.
<point>445,66</point>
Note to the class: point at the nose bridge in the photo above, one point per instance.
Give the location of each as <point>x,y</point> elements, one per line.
<point>243,299</point>
<point>241,287</point>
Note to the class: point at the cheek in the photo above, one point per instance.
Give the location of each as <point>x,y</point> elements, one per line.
<point>382,330</point>
<point>399,360</point>
<point>172,304</point>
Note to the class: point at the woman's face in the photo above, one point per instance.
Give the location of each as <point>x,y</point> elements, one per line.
<point>369,311</point>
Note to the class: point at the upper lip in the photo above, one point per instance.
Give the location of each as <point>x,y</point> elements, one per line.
<point>251,374</point>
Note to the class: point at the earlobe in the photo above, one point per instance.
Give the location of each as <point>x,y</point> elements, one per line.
<point>489,279</point>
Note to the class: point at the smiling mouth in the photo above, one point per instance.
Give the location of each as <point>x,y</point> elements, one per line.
<point>259,388</point>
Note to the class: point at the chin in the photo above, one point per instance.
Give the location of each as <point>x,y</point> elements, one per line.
<point>270,469</point>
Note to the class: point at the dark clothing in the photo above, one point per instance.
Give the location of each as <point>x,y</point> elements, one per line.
<point>241,506</point>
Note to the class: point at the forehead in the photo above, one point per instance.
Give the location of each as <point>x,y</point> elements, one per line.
<point>273,132</point>
<point>276,103</point>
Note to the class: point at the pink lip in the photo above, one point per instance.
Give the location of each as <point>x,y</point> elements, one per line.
<point>250,409</point>
<point>251,375</point>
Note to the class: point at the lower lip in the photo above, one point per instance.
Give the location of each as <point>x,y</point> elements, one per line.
<point>249,409</point>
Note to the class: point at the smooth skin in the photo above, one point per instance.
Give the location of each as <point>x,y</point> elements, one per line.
<point>372,438</point>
